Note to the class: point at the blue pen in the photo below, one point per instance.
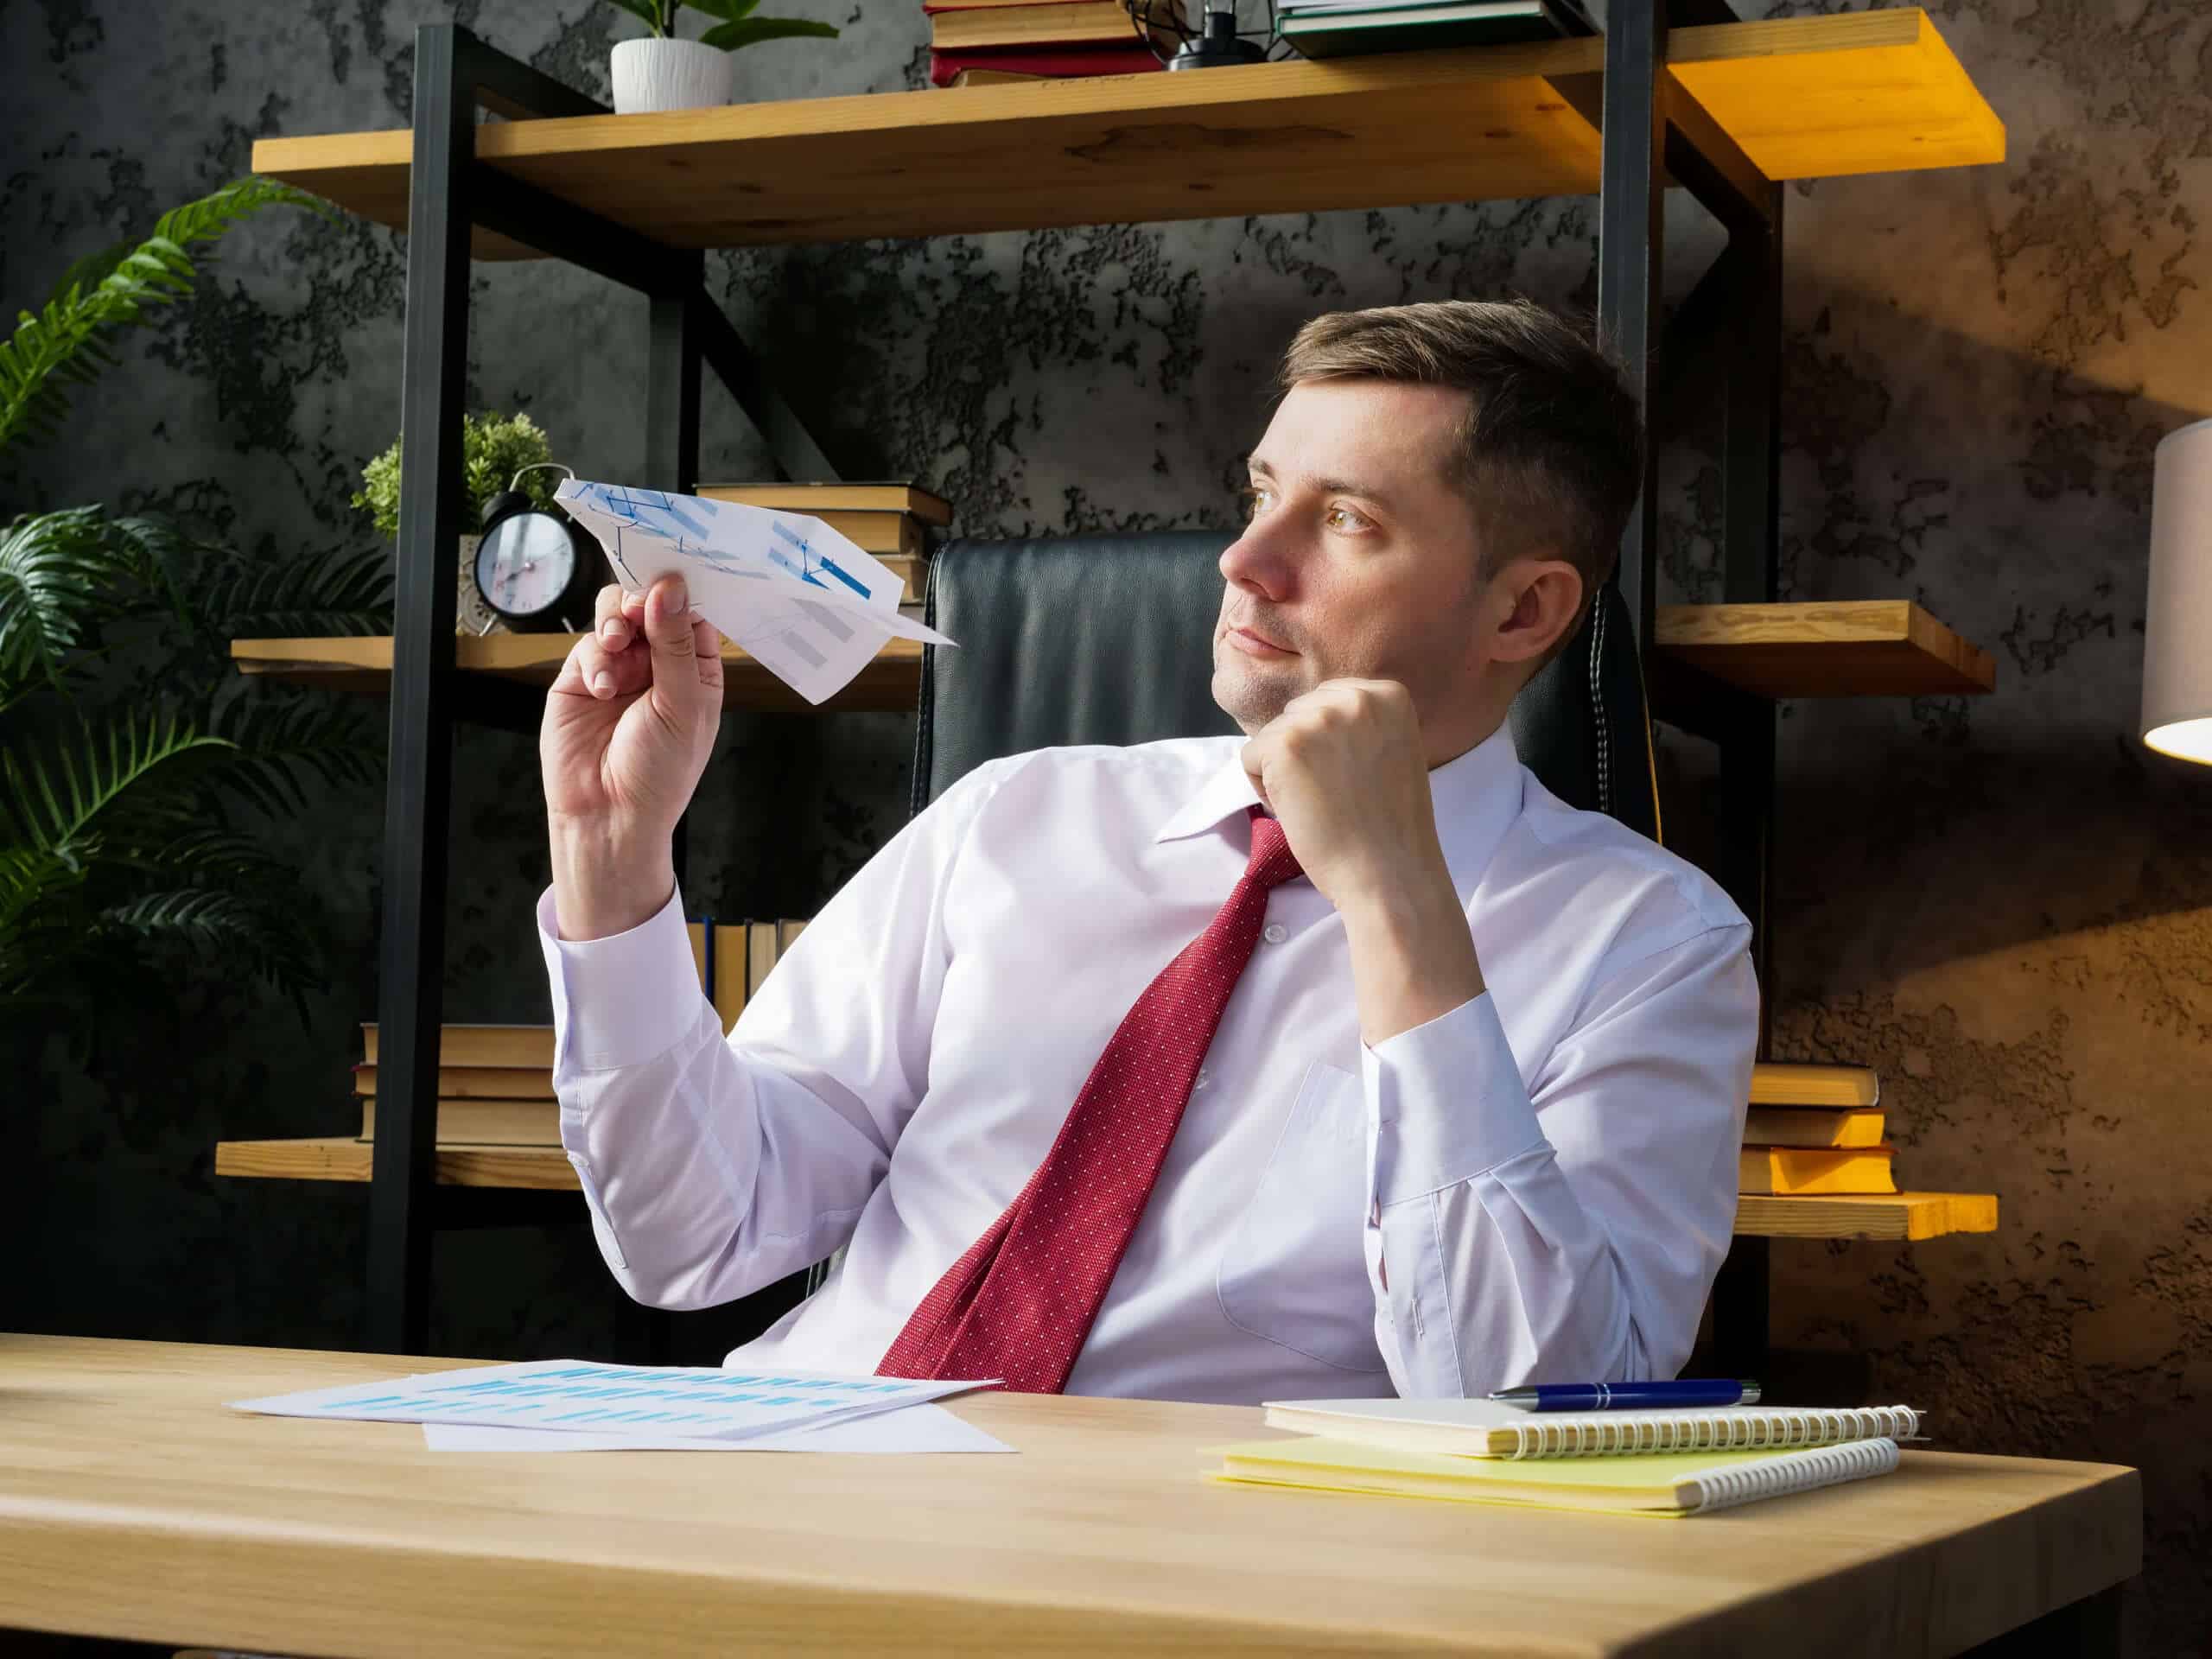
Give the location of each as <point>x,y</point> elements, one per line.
<point>1625,1396</point>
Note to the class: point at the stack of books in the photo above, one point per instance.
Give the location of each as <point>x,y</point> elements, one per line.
<point>1815,1130</point>
<point>495,1083</point>
<point>1343,29</point>
<point>981,43</point>
<point>892,521</point>
<point>1660,1463</point>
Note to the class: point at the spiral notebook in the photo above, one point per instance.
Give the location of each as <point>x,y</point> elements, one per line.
<point>1666,1484</point>
<point>1488,1428</point>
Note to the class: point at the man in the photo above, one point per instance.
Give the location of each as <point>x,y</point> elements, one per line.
<point>1341,1058</point>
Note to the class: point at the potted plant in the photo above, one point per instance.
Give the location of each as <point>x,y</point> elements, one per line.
<point>664,72</point>
<point>491,451</point>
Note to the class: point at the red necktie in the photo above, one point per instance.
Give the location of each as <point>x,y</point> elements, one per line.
<point>1019,1304</point>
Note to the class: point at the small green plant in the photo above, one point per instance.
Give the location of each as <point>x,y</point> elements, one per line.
<point>736,27</point>
<point>492,452</point>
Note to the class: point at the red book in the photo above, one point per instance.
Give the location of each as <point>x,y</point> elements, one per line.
<point>1066,62</point>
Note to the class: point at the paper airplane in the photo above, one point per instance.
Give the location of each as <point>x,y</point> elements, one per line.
<point>806,603</point>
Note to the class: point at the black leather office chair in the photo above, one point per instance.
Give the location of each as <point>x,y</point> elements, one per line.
<point>1109,639</point>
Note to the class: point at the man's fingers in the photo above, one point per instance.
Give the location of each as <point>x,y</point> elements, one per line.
<point>1255,754</point>
<point>611,617</point>
<point>707,646</point>
<point>668,619</point>
<point>591,670</point>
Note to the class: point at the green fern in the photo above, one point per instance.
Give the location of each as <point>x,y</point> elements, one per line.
<point>62,573</point>
<point>280,742</point>
<point>215,924</point>
<point>62,345</point>
<point>56,803</point>
<point>30,878</point>
<point>118,849</point>
<point>337,592</point>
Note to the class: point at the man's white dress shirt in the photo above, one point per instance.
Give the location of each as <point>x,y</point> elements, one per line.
<point>1540,1184</point>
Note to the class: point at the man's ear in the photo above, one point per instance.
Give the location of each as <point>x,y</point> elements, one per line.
<point>1539,601</point>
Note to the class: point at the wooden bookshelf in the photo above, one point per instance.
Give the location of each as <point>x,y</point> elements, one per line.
<point>340,1158</point>
<point>1841,649</point>
<point>1794,98</point>
<point>1835,648</point>
<point>1805,97</point>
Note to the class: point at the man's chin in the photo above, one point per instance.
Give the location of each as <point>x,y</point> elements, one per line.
<point>1252,699</point>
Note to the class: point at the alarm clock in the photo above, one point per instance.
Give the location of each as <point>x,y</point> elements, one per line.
<point>534,569</point>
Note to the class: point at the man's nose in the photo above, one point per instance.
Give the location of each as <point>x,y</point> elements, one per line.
<point>1260,558</point>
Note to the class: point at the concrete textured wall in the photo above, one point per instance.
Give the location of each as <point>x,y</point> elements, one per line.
<point>2005,904</point>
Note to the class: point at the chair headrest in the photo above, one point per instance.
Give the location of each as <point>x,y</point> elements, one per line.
<point>1110,640</point>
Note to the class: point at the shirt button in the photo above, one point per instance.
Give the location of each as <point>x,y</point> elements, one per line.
<point>1275,933</point>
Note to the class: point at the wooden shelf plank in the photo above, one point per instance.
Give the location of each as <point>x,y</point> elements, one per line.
<point>1886,1215</point>
<point>1805,97</point>
<point>340,1158</point>
<point>1840,648</point>
<point>1904,1215</point>
<point>363,665</point>
<point>1827,102</point>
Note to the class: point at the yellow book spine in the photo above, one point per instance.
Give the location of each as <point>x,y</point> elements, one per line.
<point>1797,1125</point>
<point>1798,1172</point>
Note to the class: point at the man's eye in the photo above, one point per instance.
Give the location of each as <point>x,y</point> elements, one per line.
<point>1254,499</point>
<point>1345,519</point>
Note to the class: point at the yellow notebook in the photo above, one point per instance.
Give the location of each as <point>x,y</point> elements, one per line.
<point>1663,1484</point>
<point>1488,1428</point>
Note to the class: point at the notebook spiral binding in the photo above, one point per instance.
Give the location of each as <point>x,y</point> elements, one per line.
<point>1795,1472</point>
<point>1601,1435</point>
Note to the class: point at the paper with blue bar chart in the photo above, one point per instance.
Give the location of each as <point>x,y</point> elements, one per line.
<point>806,603</point>
<point>656,1400</point>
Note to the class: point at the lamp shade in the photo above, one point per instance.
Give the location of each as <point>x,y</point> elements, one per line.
<point>2177,628</point>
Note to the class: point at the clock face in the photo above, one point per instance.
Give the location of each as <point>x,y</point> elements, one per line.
<point>523,563</point>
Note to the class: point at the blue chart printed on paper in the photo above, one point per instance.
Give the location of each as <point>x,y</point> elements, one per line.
<point>647,1400</point>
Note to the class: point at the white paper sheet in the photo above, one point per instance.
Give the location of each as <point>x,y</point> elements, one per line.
<point>567,1395</point>
<point>803,600</point>
<point>909,1429</point>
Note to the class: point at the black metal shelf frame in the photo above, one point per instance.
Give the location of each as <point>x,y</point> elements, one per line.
<point>1650,130</point>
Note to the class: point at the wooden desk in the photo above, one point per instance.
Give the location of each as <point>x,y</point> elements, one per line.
<point>133,1506</point>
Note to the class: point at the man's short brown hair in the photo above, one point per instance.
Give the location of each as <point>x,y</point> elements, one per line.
<point>1550,454</point>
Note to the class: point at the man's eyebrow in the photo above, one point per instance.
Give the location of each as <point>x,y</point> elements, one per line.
<point>1326,485</point>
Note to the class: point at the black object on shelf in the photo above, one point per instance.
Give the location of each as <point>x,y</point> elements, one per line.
<point>1217,42</point>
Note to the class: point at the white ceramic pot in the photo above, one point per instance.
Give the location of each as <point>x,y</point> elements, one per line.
<point>661,74</point>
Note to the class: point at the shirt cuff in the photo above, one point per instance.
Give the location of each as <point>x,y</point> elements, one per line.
<point>625,999</point>
<point>1448,1102</point>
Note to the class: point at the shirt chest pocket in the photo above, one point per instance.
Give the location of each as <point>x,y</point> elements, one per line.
<point>1295,1269</point>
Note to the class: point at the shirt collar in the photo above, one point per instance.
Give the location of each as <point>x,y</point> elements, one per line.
<point>1477,795</point>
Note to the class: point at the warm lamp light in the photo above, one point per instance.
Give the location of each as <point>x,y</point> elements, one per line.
<point>2178,627</point>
